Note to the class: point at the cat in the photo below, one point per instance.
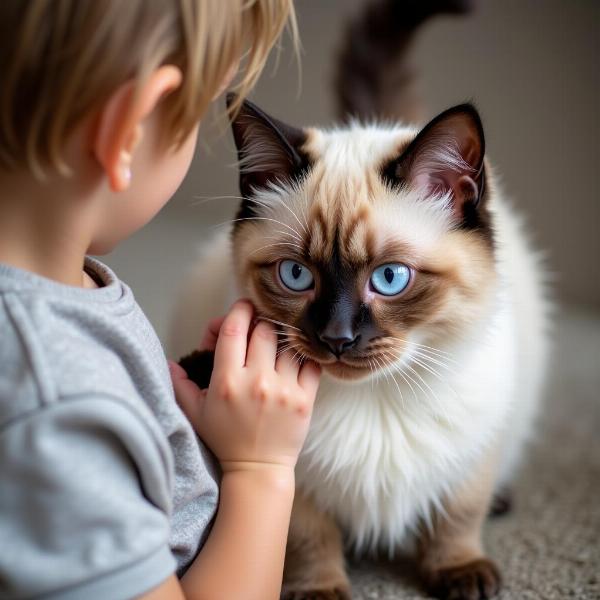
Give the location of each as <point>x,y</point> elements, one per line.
<point>389,255</point>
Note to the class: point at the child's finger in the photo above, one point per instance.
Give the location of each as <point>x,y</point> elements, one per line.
<point>287,364</point>
<point>211,335</point>
<point>188,395</point>
<point>176,371</point>
<point>233,336</point>
<point>309,377</point>
<point>262,348</point>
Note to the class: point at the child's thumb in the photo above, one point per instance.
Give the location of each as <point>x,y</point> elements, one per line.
<point>188,395</point>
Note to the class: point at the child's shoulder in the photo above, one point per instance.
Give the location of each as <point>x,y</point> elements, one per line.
<point>64,343</point>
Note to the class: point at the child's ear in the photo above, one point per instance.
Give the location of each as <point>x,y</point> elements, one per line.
<point>120,125</point>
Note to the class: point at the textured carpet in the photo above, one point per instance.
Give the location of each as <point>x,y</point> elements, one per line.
<point>548,547</point>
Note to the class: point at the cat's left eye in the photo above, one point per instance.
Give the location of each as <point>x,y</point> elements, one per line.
<point>390,279</point>
<point>295,275</point>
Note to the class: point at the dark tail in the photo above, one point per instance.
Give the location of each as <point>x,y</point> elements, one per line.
<point>374,78</point>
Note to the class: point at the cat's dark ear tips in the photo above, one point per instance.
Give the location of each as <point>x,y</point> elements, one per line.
<point>446,157</point>
<point>269,151</point>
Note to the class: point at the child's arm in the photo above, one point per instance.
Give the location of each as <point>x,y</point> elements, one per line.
<point>254,417</point>
<point>244,554</point>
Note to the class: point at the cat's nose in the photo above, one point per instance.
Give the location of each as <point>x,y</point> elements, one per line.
<point>339,345</point>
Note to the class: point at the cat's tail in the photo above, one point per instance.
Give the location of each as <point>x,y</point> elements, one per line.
<point>373,75</point>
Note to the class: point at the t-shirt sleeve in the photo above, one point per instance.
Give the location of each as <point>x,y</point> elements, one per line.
<point>84,503</point>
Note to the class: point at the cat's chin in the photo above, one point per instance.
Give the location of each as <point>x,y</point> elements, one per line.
<point>346,372</point>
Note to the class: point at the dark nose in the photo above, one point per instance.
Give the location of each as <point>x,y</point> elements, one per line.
<point>339,345</point>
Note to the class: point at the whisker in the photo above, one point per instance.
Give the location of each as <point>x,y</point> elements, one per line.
<point>200,200</point>
<point>372,369</point>
<point>285,205</point>
<point>381,367</point>
<point>434,361</point>
<point>430,349</point>
<point>289,334</point>
<point>277,244</point>
<point>289,347</point>
<point>427,368</point>
<point>295,235</point>
<point>397,386</point>
<point>197,197</point>
<point>439,376</point>
<point>294,231</point>
<point>407,382</point>
<point>445,382</point>
<point>298,356</point>
<point>282,349</point>
<point>422,363</point>
<point>278,322</point>
<point>439,356</point>
<point>222,224</point>
<point>424,348</point>
<point>440,406</point>
<point>293,241</point>
<point>387,369</point>
<point>290,235</point>
<point>285,233</point>
<point>431,370</point>
<point>416,382</point>
<point>404,379</point>
<point>443,359</point>
<point>439,361</point>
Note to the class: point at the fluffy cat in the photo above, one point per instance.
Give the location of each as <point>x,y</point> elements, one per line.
<point>389,255</point>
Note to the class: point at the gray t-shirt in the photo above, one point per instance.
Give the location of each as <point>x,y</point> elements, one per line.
<point>105,490</point>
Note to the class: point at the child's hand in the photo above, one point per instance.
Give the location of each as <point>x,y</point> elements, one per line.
<point>257,409</point>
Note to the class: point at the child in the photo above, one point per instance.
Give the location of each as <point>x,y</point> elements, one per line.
<point>105,490</point>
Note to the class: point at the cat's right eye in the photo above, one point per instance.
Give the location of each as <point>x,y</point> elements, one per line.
<point>295,275</point>
<point>390,279</point>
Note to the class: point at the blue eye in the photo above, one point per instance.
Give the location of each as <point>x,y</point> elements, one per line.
<point>390,279</point>
<point>295,275</point>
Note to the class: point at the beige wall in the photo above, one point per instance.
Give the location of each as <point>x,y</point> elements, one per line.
<point>531,66</point>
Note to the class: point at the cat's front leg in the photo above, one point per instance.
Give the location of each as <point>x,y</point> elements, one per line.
<point>452,559</point>
<point>314,559</point>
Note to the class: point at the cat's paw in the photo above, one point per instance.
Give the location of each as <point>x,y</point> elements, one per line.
<point>339,593</point>
<point>476,580</point>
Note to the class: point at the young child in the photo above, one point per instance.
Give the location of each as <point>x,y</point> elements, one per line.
<point>105,490</point>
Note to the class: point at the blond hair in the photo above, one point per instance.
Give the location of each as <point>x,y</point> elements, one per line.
<point>61,59</point>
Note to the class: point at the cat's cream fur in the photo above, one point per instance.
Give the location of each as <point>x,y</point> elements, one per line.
<point>386,453</point>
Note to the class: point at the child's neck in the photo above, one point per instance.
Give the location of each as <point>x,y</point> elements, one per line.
<point>45,228</point>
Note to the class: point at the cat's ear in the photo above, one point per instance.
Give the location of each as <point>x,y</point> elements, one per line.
<point>446,157</point>
<point>269,151</point>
